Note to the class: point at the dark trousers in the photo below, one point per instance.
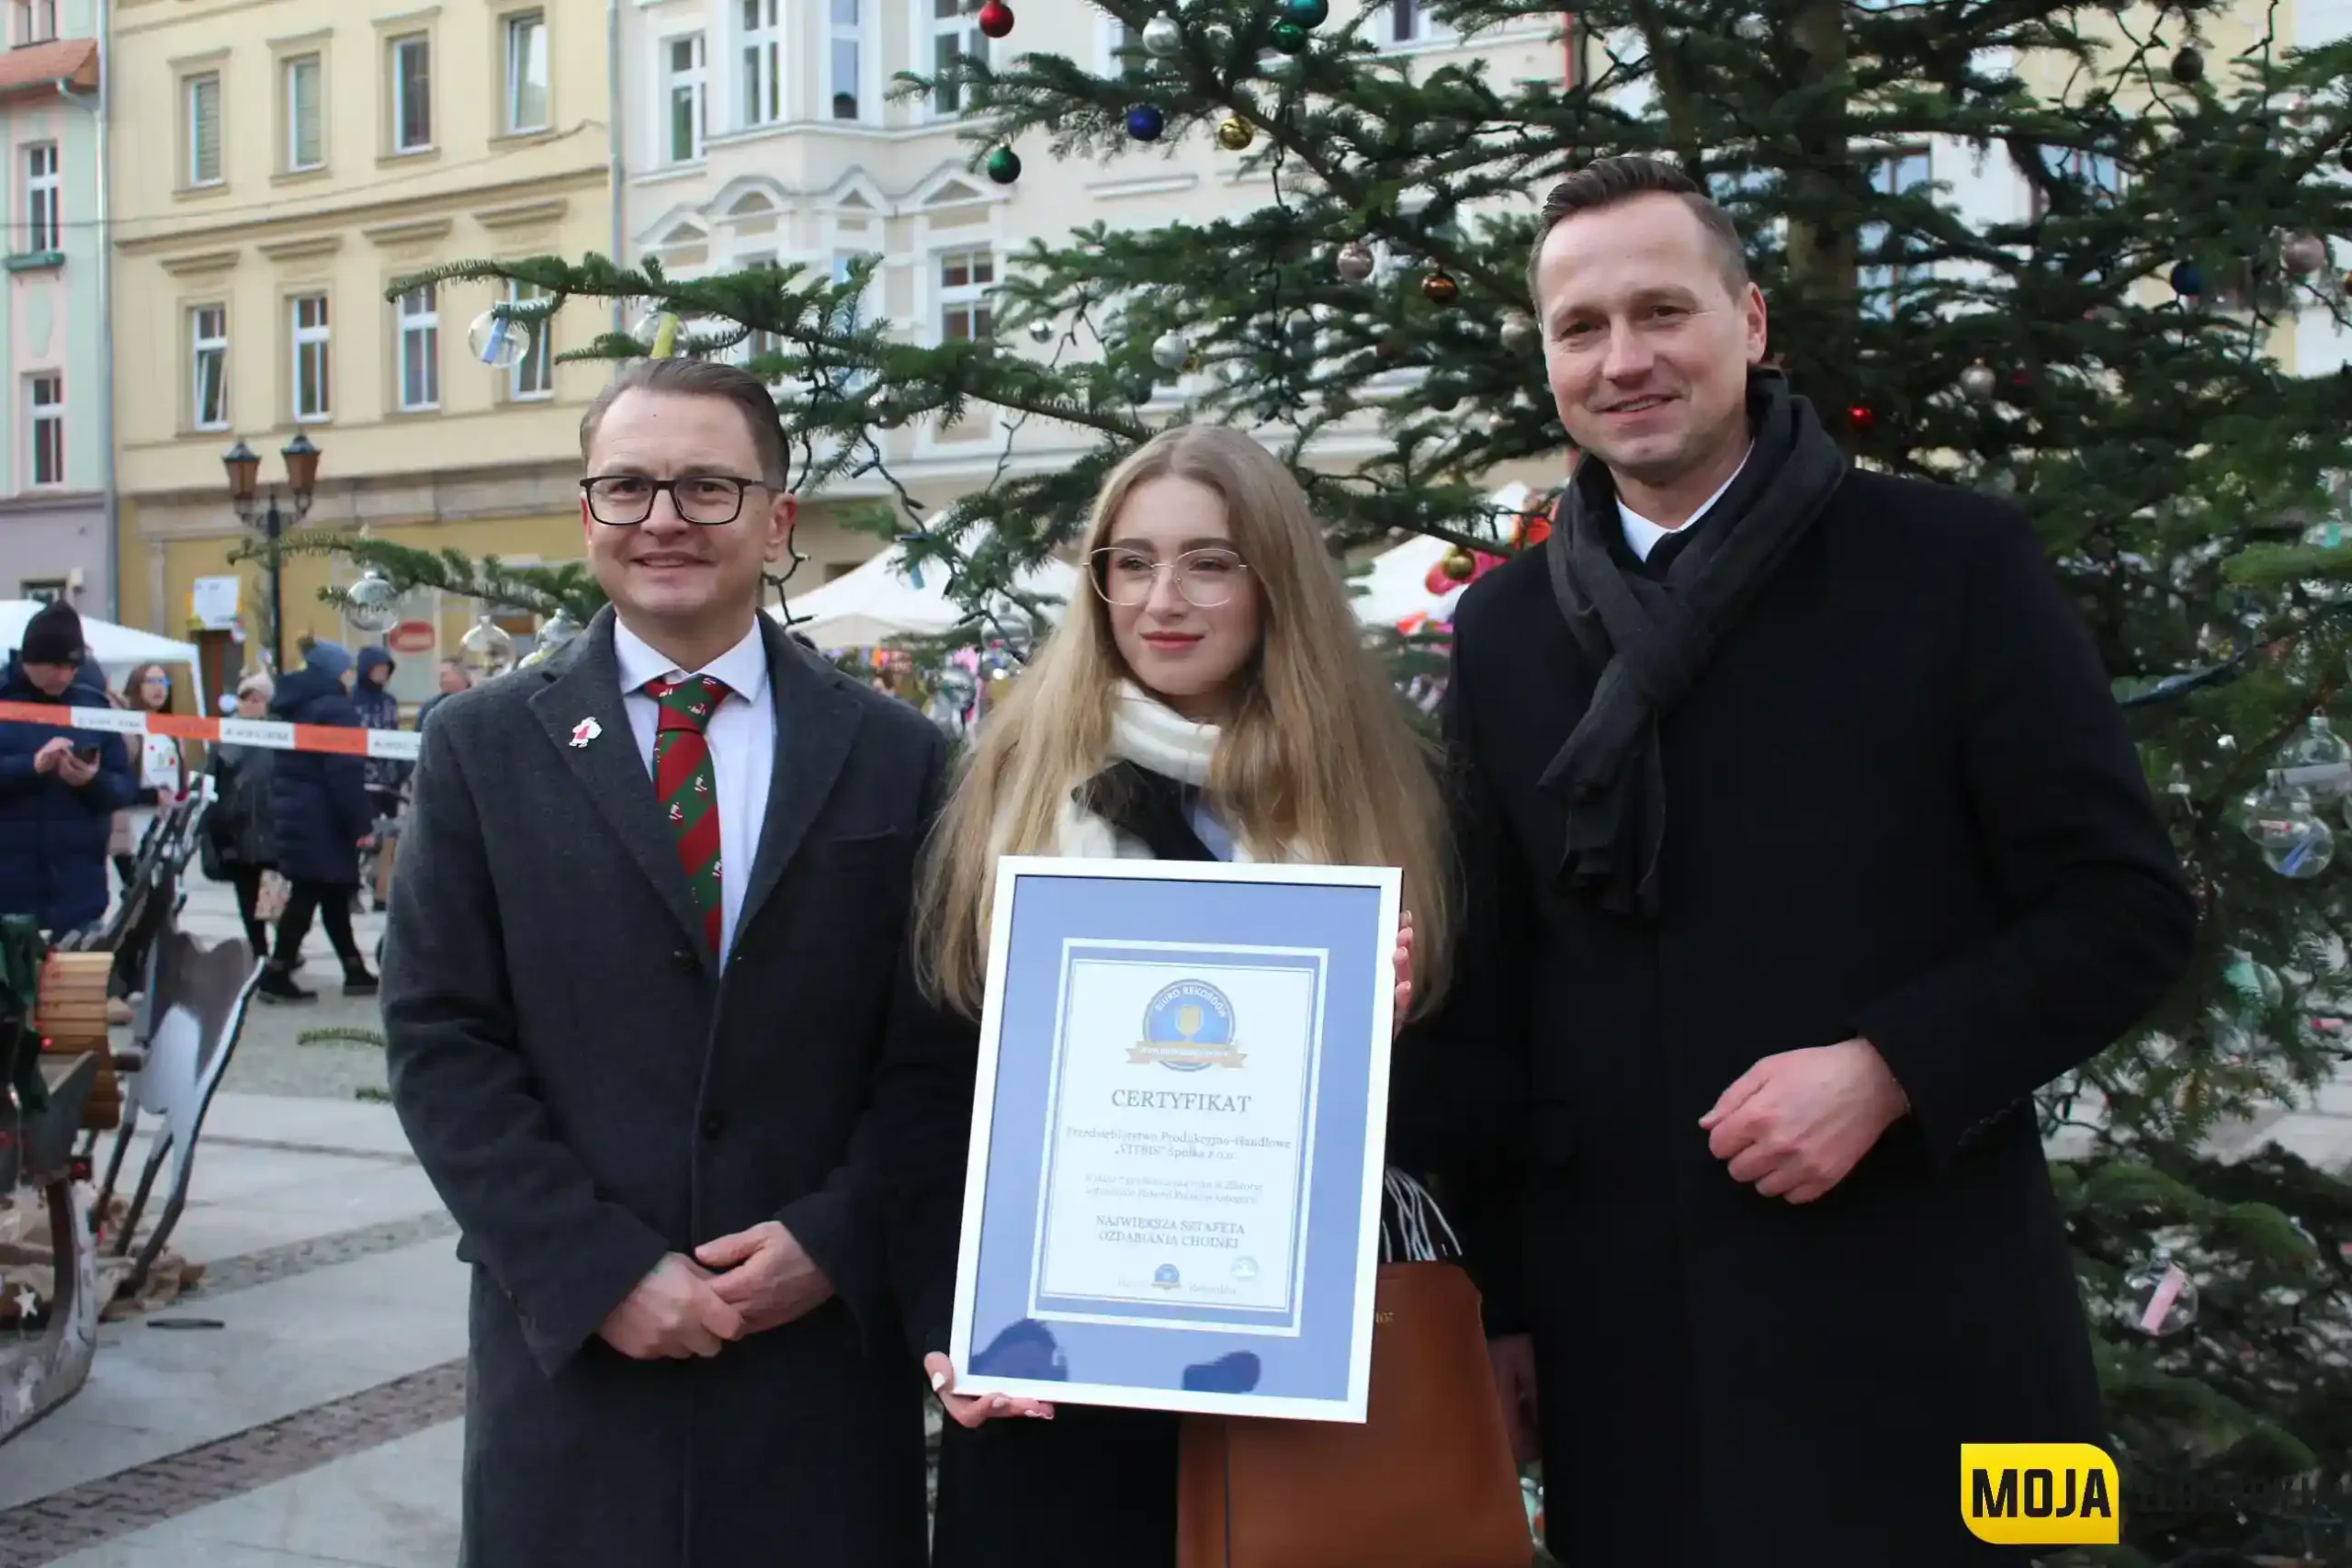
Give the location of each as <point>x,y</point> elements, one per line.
<point>333,906</point>
<point>246,880</point>
<point>1091,1487</point>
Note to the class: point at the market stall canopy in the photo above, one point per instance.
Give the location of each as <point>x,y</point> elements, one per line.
<point>1395,589</point>
<point>116,648</point>
<point>884,598</point>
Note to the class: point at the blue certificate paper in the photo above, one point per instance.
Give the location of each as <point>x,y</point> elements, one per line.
<point>1173,1195</point>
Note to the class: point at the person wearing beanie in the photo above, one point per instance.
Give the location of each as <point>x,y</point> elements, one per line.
<point>60,788</point>
<point>320,814</point>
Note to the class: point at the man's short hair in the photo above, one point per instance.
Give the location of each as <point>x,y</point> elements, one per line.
<point>701,379</point>
<point>1608,181</point>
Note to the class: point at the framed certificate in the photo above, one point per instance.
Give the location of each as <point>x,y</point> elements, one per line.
<point>1172,1200</point>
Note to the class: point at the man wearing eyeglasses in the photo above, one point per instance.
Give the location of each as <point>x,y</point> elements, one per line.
<point>644,976</point>
<point>59,788</point>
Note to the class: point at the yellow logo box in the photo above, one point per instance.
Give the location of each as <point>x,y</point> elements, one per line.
<point>2040,1494</point>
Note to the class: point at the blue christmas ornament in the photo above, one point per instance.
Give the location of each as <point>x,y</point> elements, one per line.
<point>2187,280</point>
<point>1145,122</point>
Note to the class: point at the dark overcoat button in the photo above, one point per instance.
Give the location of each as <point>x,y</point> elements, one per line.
<point>685,961</point>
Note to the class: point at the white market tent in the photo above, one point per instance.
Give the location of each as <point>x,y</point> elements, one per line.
<point>880,600</point>
<point>1394,588</point>
<point>115,648</point>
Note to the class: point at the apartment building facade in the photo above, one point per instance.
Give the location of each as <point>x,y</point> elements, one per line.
<point>300,159</point>
<point>54,399</point>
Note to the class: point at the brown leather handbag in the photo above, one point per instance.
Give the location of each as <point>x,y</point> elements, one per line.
<point>1426,1481</point>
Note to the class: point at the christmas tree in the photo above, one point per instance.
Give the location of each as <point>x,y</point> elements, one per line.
<point>2096,326</point>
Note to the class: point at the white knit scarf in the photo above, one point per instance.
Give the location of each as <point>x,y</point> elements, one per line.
<point>1151,735</point>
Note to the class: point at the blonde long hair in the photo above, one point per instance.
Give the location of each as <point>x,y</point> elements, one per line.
<point>1317,752</point>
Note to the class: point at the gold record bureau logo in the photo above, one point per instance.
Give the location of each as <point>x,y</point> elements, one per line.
<point>1187,1027</point>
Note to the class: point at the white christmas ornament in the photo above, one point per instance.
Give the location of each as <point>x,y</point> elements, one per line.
<point>498,341</point>
<point>372,604</point>
<point>1162,37</point>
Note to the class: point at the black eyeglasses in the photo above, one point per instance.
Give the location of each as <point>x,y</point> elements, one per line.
<point>706,500</point>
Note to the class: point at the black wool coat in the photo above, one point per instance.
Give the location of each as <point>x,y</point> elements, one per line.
<point>588,1092</point>
<point>1902,805</point>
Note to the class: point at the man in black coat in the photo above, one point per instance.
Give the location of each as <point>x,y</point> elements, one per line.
<point>1805,842</point>
<point>650,1013</point>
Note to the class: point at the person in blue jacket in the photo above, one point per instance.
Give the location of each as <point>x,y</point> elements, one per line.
<point>59,788</point>
<point>319,805</point>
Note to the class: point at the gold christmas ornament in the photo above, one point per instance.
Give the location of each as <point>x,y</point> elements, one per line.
<point>1438,287</point>
<point>1233,134</point>
<point>1459,565</point>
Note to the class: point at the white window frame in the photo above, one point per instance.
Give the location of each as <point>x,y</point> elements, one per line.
<point>532,378</point>
<point>317,335</point>
<point>44,220</point>
<point>956,29</point>
<point>759,58</point>
<point>46,427</point>
<point>694,80</point>
<point>397,90</point>
<point>36,21</point>
<point>1113,36</point>
<point>1410,22</point>
<point>193,92</point>
<point>208,327</point>
<point>970,297</point>
<point>418,332</point>
<point>290,73</point>
<point>850,34</point>
<point>526,46</point>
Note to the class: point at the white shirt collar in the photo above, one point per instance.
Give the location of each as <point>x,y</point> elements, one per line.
<point>743,668</point>
<point>1642,535</point>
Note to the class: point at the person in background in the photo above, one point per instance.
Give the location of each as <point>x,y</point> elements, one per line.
<point>321,814</point>
<point>237,829</point>
<point>59,788</point>
<point>163,770</point>
<point>379,709</point>
<point>453,679</point>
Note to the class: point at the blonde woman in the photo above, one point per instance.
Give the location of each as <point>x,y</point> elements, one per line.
<point>1210,697</point>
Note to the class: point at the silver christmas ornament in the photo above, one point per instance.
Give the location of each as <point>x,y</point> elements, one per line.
<point>1355,260</point>
<point>372,604</point>
<point>1170,351</point>
<point>1978,382</point>
<point>2305,255</point>
<point>1518,332</point>
<point>1041,332</point>
<point>1162,37</point>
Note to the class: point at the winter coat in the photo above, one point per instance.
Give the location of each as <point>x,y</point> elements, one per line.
<point>318,803</point>
<point>377,710</point>
<point>240,821</point>
<point>53,837</point>
<point>1902,807</point>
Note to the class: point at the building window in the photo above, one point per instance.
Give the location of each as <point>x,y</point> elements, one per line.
<point>42,590</point>
<point>762,62</point>
<point>533,374</point>
<point>40,197</point>
<point>845,49</point>
<point>964,279</point>
<point>527,72</point>
<point>204,128</point>
<point>306,142</point>
<point>36,21</point>
<point>954,35</point>
<point>1890,174</point>
<point>411,67</point>
<point>48,403</point>
<point>209,361</point>
<point>313,396</point>
<point>420,334</point>
<point>2100,176</point>
<point>689,106</point>
<point>1123,43</point>
<point>1413,21</point>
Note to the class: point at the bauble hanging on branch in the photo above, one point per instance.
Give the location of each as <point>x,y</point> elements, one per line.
<point>1004,165</point>
<point>1978,382</point>
<point>1518,333</point>
<point>1170,350</point>
<point>1162,37</point>
<point>2188,66</point>
<point>1233,134</point>
<point>1309,14</point>
<point>1145,122</point>
<point>1354,261</point>
<point>2305,255</point>
<point>1438,287</point>
<point>996,18</point>
<point>1289,38</point>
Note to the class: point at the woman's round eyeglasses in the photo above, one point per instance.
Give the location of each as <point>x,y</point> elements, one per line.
<point>1126,576</point>
<point>706,500</point>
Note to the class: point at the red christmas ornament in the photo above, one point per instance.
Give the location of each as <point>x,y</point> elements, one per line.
<point>1861,416</point>
<point>1533,529</point>
<point>996,18</point>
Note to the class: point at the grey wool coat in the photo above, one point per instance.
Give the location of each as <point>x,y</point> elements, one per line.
<point>588,1092</point>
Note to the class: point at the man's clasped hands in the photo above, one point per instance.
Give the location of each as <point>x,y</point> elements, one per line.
<point>740,1284</point>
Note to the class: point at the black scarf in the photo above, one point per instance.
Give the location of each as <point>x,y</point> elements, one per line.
<point>1654,639</point>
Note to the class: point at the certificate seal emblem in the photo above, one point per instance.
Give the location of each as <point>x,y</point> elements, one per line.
<point>1166,1276</point>
<point>1187,1027</point>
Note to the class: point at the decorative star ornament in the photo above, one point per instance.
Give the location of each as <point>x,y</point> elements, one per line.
<point>28,1303</point>
<point>587,730</point>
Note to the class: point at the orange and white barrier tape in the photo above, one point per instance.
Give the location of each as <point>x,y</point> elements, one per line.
<point>398,745</point>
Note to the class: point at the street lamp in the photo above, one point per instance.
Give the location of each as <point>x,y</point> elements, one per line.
<point>301,481</point>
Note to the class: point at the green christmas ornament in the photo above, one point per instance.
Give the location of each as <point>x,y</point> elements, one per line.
<point>1004,165</point>
<point>1290,38</point>
<point>1306,13</point>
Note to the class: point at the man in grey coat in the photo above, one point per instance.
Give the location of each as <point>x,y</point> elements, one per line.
<point>650,1018</point>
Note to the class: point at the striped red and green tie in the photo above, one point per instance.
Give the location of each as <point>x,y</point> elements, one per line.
<point>687,787</point>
